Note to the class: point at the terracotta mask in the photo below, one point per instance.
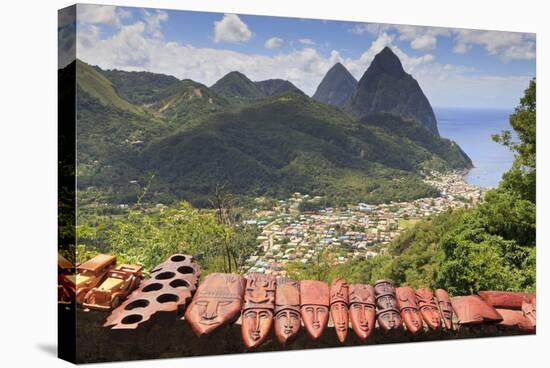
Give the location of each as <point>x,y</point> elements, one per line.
<point>314,298</point>
<point>506,299</point>
<point>428,308</point>
<point>389,319</point>
<point>339,299</point>
<point>471,309</point>
<point>384,287</point>
<point>218,301</point>
<point>445,308</point>
<point>287,310</point>
<point>362,309</point>
<point>259,305</point>
<point>530,310</point>
<point>386,306</point>
<point>515,319</point>
<point>410,314</point>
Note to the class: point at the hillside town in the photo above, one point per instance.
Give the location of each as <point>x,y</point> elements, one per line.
<point>356,231</point>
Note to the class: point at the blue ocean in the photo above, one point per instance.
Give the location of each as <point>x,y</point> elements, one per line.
<point>472,130</point>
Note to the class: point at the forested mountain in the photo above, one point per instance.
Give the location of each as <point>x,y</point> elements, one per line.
<point>140,88</point>
<point>236,87</point>
<point>259,138</point>
<point>292,143</point>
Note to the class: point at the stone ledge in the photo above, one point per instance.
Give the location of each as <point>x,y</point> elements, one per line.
<point>169,338</point>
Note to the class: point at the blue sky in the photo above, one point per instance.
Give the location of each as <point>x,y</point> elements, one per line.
<point>455,67</point>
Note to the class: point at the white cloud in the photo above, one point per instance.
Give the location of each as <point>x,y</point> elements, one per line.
<point>506,45</point>
<point>335,57</point>
<point>420,38</point>
<point>231,29</point>
<point>410,63</point>
<point>100,14</point>
<point>362,28</point>
<point>132,48</point>
<point>423,42</point>
<point>273,43</point>
<point>306,41</point>
<point>137,47</point>
<point>154,20</point>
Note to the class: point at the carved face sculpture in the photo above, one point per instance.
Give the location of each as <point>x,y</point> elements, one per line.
<point>386,301</point>
<point>314,298</point>
<point>410,314</point>
<point>386,306</point>
<point>287,310</point>
<point>530,310</point>
<point>389,319</point>
<point>362,309</point>
<point>384,287</point>
<point>445,308</point>
<point>339,299</point>
<point>259,304</point>
<point>218,301</point>
<point>428,308</point>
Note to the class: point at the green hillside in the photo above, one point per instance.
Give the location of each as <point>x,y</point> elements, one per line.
<point>237,87</point>
<point>292,143</point>
<point>186,100</point>
<point>139,88</point>
<point>93,83</point>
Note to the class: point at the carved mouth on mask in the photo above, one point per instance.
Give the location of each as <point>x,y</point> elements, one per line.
<point>209,321</point>
<point>255,334</point>
<point>316,324</point>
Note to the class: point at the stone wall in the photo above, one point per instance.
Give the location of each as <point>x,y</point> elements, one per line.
<point>169,338</point>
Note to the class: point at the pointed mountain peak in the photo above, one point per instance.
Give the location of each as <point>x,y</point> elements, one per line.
<point>234,76</point>
<point>236,85</point>
<point>271,87</point>
<point>386,61</point>
<point>337,86</point>
<point>339,68</point>
<point>386,87</point>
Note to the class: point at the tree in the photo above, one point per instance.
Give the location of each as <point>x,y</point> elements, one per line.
<point>493,246</point>
<point>149,237</point>
<point>522,177</point>
<point>241,240</point>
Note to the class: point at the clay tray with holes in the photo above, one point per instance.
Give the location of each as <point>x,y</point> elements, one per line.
<point>166,293</point>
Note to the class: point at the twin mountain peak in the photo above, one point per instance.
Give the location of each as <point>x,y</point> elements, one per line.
<point>384,87</point>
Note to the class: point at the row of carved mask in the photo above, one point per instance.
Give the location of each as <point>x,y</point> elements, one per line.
<point>265,302</point>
